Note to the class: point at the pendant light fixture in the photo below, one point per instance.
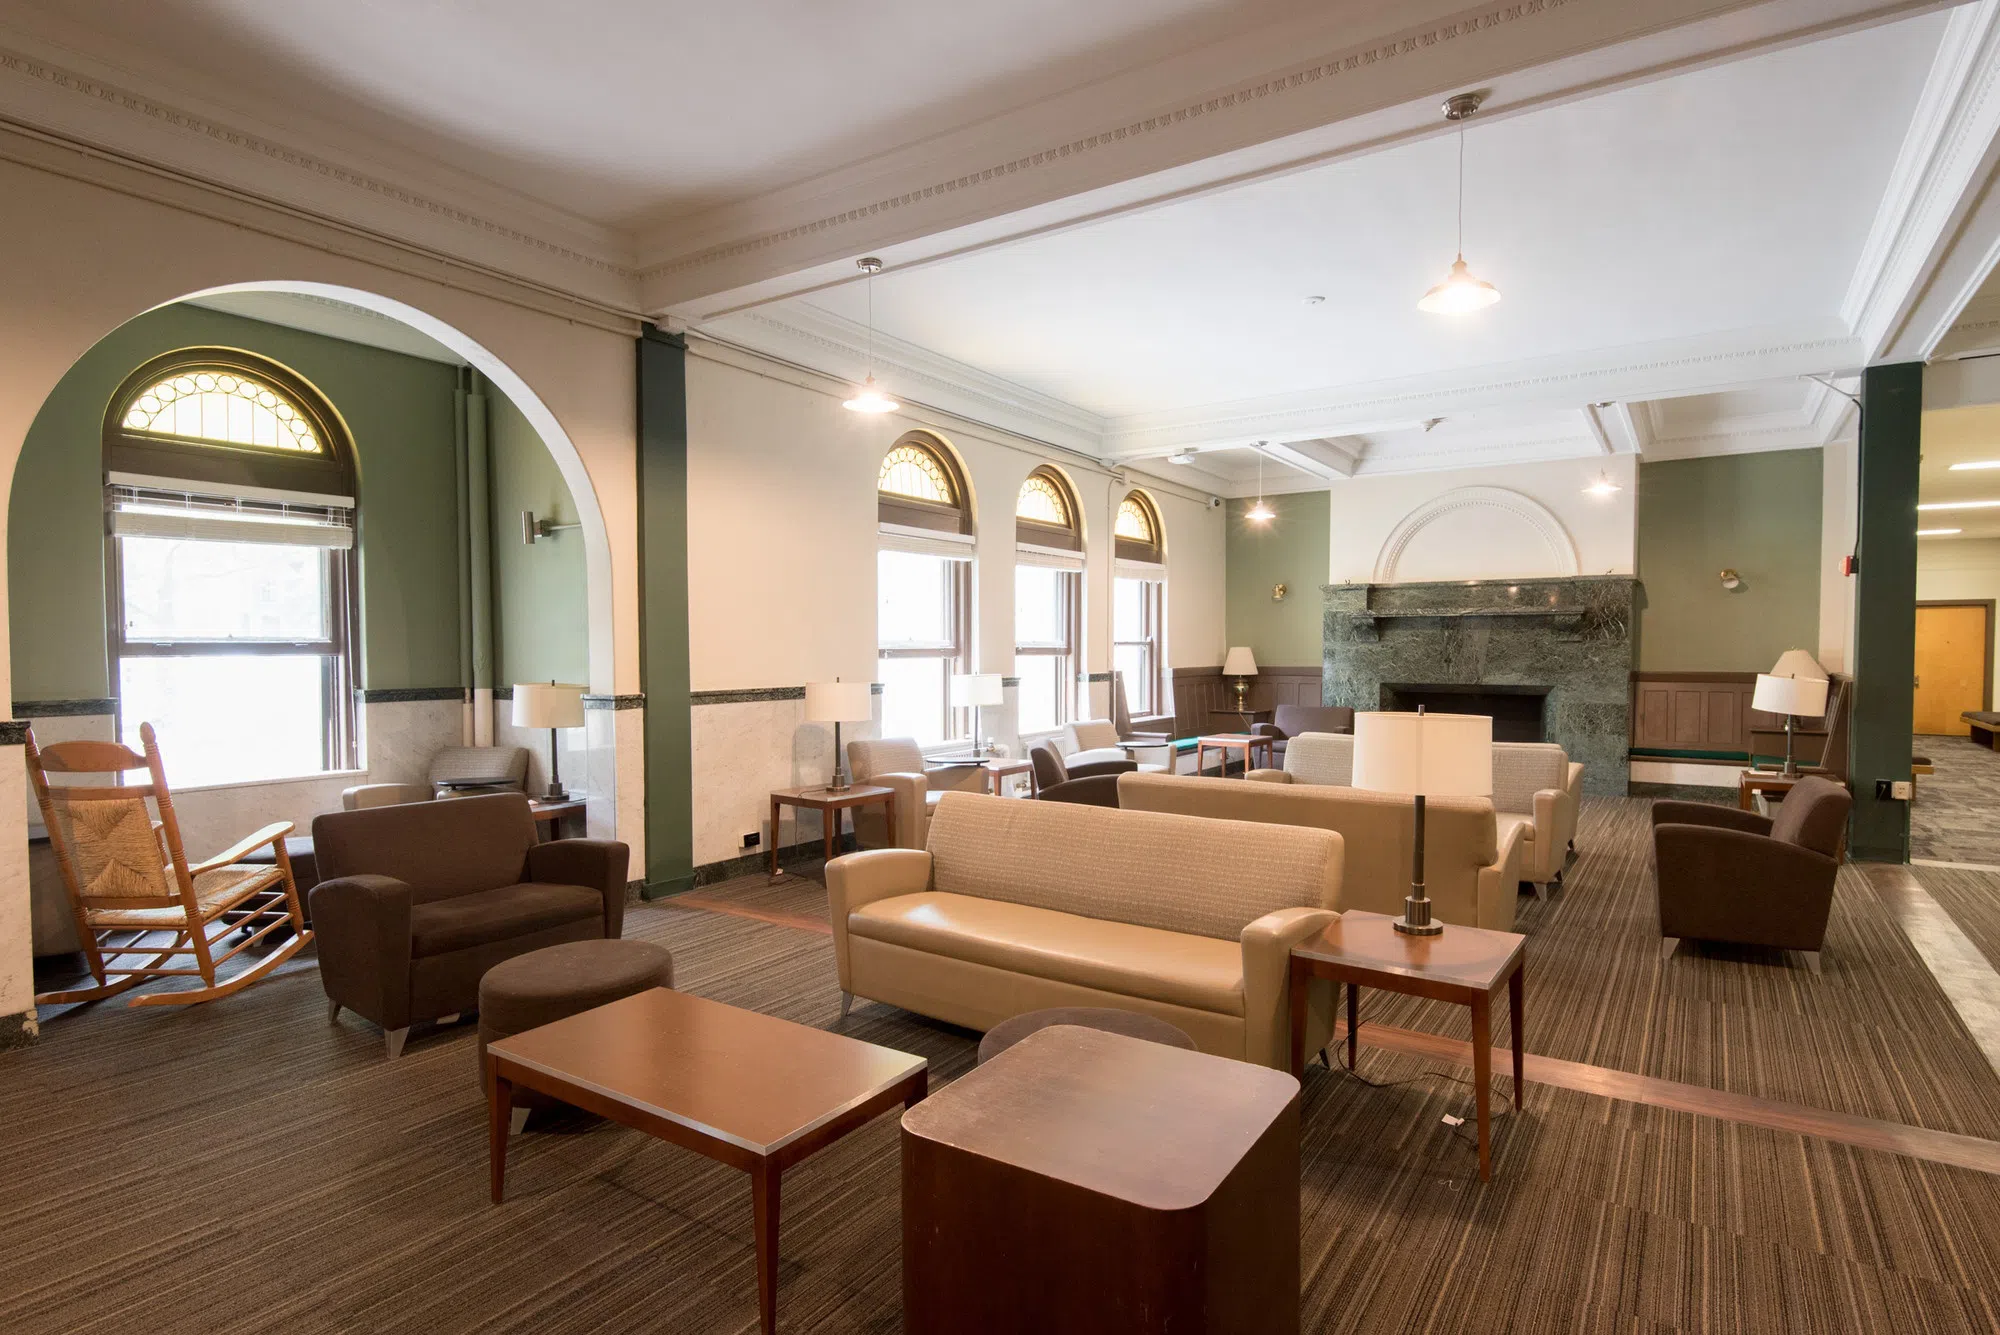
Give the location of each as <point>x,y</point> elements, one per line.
<point>1460,293</point>
<point>869,399</point>
<point>1604,487</point>
<point>1260,513</point>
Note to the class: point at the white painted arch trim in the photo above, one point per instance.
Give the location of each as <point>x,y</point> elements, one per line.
<point>1562,547</point>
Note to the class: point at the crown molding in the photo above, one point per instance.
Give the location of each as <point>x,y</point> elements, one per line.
<point>70,98</point>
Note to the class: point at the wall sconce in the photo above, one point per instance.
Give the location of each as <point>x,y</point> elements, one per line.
<point>1731,580</point>
<point>1277,593</point>
<point>532,528</point>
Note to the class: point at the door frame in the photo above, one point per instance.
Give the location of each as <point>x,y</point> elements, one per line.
<point>1986,676</point>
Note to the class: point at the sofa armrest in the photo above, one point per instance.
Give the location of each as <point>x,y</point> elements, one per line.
<point>1095,768</point>
<point>1267,972</point>
<point>862,878</point>
<point>1269,776</point>
<point>601,864</point>
<point>1574,785</point>
<point>1500,885</point>
<point>362,927</point>
<point>1708,813</point>
<point>1731,885</point>
<point>1551,838</point>
<point>273,833</point>
<point>1268,730</point>
<point>1097,790</point>
<point>912,805</point>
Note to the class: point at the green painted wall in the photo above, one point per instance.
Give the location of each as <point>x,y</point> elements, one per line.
<point>1758,514</point>
<point>400,412</point>
<point>1290,550</point>
<point>541,612</point>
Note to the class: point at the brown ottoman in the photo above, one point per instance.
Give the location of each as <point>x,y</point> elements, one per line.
<point>1130,1023</point>
<point>556,982</point>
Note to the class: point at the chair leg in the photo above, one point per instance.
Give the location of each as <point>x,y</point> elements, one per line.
<point>846,1000</point>
<point>395,1038</point>
<point>1812,961</point>
<point>1541,889</point>
<point>517,1119</point>
<point>332,1010</point>
<point>1668,946</point>
<point>444,1020</point>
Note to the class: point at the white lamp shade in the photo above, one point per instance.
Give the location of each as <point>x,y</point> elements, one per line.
<point>1798,663</point>
<point>1240,662</point>
<point>1803,696</point>
<point>544,704</point>
<point>839,701</point>
<point>975,689</point>
<point>1432,755</point>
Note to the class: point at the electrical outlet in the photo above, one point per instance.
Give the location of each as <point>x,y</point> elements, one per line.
<point>752,839</point>
<point>1902,790</point>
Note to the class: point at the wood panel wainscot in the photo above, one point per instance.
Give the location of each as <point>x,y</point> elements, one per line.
<point>1707,716</point>
<point>1200,690</point>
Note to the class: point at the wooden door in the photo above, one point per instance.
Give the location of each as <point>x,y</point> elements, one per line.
<point>1954,665</point>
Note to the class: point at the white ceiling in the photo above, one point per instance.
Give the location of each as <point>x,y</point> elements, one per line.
<point>1731,198</point>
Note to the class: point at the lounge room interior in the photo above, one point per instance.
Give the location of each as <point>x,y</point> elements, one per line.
<point>1234,665</point>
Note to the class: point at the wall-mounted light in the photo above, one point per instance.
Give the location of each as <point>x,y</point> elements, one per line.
<point>532,528</point>
<point>1731,580</point>
<point>1277,593</point>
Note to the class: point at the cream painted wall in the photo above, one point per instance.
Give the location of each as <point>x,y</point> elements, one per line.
<point>782,547</point>
<point>1366,510</point>
<point>84,255</point>
<point>1950,568</point>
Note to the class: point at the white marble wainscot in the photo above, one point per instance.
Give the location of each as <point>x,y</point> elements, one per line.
<point>399,738</point>
<point>743,749</point>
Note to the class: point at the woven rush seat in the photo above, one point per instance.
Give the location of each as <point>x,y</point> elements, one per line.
<point>215,893</point>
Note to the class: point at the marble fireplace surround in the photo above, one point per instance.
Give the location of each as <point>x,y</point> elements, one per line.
<point>1571,635</point>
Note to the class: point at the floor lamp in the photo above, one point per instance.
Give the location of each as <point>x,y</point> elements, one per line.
<point>1426,755</point>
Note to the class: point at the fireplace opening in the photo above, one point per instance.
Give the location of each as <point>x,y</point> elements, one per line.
<point>1516,711</point>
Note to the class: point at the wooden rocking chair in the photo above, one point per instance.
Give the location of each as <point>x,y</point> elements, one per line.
<point>129,881</point>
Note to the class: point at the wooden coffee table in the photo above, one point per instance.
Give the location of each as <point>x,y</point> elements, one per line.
<point>1466,965</point>
<point>745,1089</point>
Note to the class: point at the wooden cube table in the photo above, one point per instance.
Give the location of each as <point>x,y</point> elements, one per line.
<point>1083,1181</point>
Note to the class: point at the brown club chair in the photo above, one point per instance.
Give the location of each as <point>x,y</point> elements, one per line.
<point>130,883</point>
<point>421,899</point>
<point>1734,876</point>
<point>1288,721</point>
<point>1094,784</point>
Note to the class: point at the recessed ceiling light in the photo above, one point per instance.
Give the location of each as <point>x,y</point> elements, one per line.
<point>1314,301</point>
<point>1960,505</point>
<point>1938,532</point>
<point>1975,466</point>
<point>1184,457</point>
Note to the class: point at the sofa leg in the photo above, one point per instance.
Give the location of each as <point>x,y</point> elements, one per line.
<point>846,1000</point>
<point>1668,946</point>
<point>517,1120</point>
<point>1812,961</point>
<point>444,1020</point>
<point>332,1010</point>
<point>1541,889</point>
<point>396,1037</point>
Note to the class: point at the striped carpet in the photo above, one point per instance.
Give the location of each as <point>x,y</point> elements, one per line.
<point>244,1166</point>
<point>1972,898</point>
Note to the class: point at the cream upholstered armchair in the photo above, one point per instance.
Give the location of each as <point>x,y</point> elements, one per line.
<point>898,763</point>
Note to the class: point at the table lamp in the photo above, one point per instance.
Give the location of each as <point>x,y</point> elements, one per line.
<point>1790,696</point>
<point>549,705</point>
<point>974,691</point>
<point>839,702</point>
<point>1427,755</point>
<point>1241,664</point>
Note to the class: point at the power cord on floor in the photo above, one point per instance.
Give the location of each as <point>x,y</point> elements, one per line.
<point>1497,1109</point>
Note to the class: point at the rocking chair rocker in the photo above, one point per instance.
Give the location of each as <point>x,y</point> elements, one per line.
<point>130,883</point>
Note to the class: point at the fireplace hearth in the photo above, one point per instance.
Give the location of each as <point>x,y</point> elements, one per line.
<point>1516,711</point>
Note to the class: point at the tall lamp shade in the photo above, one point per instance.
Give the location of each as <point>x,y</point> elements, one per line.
<point>838,702</point>
<point>1425,755</point>
<point>1790,696</point>
<point>551,705</point>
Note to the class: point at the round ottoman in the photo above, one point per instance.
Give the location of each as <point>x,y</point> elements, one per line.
<point>1130,1023</point>
<point>556,982</point>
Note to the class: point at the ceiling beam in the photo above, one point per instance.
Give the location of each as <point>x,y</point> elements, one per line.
<point>1616,428</point>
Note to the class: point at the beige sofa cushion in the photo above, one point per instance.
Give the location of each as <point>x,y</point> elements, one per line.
<point>1172,967</point>
<point>1205,878</point>
<point>1322,758</point>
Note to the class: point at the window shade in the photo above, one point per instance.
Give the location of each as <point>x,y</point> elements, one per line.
<point>1138,569</point>
<point>1053,558</point>
<point>925,542</point>
<point>157,512</point>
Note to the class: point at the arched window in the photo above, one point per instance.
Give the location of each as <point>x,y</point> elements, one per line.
<point>923,589</point>
<point>230,500</point>
<point>1048,599</point>
<point>1138,604</point>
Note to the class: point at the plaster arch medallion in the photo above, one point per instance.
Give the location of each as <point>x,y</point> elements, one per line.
<point>1500,534</point>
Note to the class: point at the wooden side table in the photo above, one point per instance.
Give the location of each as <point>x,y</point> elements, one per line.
<point>556,815</point>
<point>993,773</point>
<point>1465,965</point>
<point>1225,742</point>
<point>830,804</point>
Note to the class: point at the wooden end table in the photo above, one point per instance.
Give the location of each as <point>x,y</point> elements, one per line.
<point>1465,965</point>
<point>830,803</point>
<point>748,1090</point>
<point>993,772</point>
<point>1752,782</point>
<point>556,815</point>
<point>1225,742</point>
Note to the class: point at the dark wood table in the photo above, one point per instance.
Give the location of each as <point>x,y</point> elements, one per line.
<point>745,1089</point>
<point>1083,1181</point>
<point>1235,719</point>
<point>830,803</point>
<point>1225,742</point>
<point>556,815</point>
<point>1464,965</point>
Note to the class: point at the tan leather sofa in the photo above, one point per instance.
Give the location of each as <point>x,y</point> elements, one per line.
<point>1019,906</point>
<point>1471,860</point>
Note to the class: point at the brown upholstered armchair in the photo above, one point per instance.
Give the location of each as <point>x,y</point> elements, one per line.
<point>419,900</point>
<point>1290,720</point>
<point>1094,784</point>
<point>1729,875</point>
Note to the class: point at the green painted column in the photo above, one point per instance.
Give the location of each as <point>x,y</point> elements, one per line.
<point>1885,607</point>
<point>663,612</point>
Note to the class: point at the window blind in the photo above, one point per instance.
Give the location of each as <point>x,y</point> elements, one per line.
<point>925,542</point>
<point>163,512</point>
<point>1053,558</point>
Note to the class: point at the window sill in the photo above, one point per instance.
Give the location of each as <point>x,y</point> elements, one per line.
<point>352,775</point>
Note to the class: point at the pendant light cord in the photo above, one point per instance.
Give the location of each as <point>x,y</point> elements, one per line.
<point>1461,197</point>
<point>871,272</point>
